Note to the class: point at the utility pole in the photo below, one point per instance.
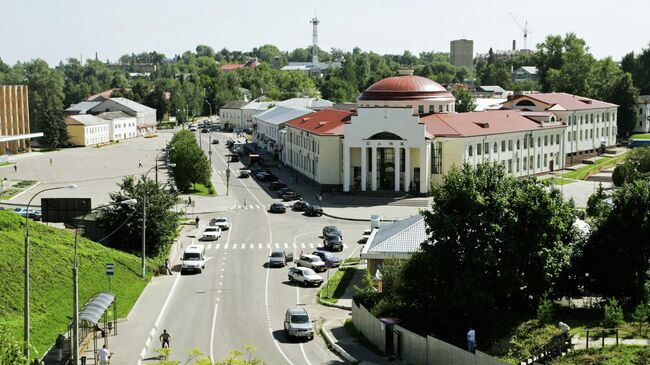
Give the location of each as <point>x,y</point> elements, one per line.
<point>228,178</point>
<point>144,234</point>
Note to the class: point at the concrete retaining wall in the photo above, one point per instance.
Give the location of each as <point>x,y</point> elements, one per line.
<point>413,346</point>
<point>370,326</point>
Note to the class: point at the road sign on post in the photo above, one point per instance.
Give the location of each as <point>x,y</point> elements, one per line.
<point>110,269</point>
<point>227,180</point>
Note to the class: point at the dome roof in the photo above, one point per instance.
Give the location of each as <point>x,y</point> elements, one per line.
<point>405,88</point>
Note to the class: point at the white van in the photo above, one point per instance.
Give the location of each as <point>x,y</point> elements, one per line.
<point>193,258</point>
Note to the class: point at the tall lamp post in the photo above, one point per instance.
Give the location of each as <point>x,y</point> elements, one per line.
<point>26,309</point>
<point>75,281</point>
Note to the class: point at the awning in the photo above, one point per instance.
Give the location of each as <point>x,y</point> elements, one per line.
<point>96,307</point>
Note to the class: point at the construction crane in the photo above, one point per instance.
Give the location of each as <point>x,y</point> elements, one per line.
<point>523,29</point>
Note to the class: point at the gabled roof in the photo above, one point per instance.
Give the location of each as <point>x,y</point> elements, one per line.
<point>567,101</point>
<point>282,114</point>
<point>479,123</point>
<point>314,103</point>
<point>397,240</point>
<point>82,107</point>
<point>84,119</point>
<point>492,88</point>
<point>114,115</point>
<point>128,104</point>
<point>326,122</point>
<point>231,66</point>
<point>101,96</point>
<point>259,105</point>
<point>237,104</point>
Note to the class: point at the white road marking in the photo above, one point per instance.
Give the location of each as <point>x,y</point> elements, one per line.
<point>252,245</point>
<point>225,247</point>
<point>277,245</point>
<point>216,247</point>
<point>311,245</point>
<point>234,246</point>
<point>214,322</point>
<point>286,245</point>
<point>268,246</point>
<point>302,245</point>
<point>259,246</point>
<point>209,246</point>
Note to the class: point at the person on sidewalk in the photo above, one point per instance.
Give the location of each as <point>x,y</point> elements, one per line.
<point>104,356</point>
<point>139,163</point>
<point>189,200</point>
<point>197,221</point>
<point>165,338</point>
<point>60,344</point>
<point>167,269</point>
<point>471,340</point>
<point>50,161</point>
<point>16,167</point>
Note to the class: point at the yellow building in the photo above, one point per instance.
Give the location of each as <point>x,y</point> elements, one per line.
<point>87,130</point>
<point>14,120</point>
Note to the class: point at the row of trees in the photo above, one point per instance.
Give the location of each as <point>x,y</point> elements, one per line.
<point>500,245</point>
<point>191,164</point>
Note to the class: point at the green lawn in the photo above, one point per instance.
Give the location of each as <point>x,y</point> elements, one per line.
<point>334,289</point>
<point>51,252</point>
<point>202,190</point>
<point>641,136</point>
<point>583,172</point>
<point>6,163</point>
<point>614,355</point>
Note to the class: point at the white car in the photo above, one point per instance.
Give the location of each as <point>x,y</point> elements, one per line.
<point>304,276</point>
<point>366,234</point>
<point>221,222</point>
<point>311,261</point>
<point>211,234</point>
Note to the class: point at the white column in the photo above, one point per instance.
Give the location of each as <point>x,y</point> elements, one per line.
<point>397,168</point>
<point>364,168</point>
<point>346,168</point>
<point>423,169</point>
<point>373,183</point>
<point>407,168</point>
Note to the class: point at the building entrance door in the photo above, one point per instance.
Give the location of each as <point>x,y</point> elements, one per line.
<point>386,168</point>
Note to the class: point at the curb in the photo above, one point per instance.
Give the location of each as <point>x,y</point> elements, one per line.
<point>334,347</point>
<point>212,212</point>
<point>361,219</point>
<point>334,305</point>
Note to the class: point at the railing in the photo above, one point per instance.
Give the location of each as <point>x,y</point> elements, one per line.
<point>556,347</point>
<point>603,331</point>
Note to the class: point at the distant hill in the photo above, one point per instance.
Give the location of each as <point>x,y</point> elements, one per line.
<point>51,252</point>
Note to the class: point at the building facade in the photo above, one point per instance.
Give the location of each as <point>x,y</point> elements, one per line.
<point>14,120</point>
<point>525,73</point>
<point>120,125</point>
<point>232,114</point>
<point>144,115</point>
<point>643,118</point>
<point>461,53</point>
<point>268,125</point>
<point>87,130</point>
<point>313,145</point>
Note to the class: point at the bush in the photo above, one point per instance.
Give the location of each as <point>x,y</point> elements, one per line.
<point>545,310</point>
<point>613,314</point>
<point>11,349</point>
<point>640,316</point>
<point>620,174</point>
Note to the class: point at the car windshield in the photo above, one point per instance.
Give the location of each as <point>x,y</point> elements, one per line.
<point>220,219</point>
<point>299,318</point>
<point>210,229</point>
<point>277,254</point>
<point>191,256</point>
<point>308,272</point>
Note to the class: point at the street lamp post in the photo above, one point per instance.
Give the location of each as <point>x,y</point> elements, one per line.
<point>26,309</point>
<point>75,282</point>
<point>156,162</point>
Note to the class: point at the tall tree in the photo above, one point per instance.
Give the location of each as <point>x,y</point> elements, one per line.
<point>46,102</point>
<point>192,165</point>
<point>465,101</point>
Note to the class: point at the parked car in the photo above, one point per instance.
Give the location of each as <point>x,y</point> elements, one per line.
<point>277,208</point>
<point>280,258</point>
<point>221,222</point>
<point>313,211</point>
<point>205,130</point>
<point>300,206</point>
<point>311,261</point>
<point>24,212</point>
<point>292,195</point>
<point>304,276</point>
<point>328,257</point>
<point>332,231</point>
<point>282,191</point>
<point>210,234</point>
<point>194,128</point>
<point>297,323</point>
<point>333,243</point>
<point>277,185</point>
<point>366,234</point>
<point>215,141</point>
<point>268,178</point>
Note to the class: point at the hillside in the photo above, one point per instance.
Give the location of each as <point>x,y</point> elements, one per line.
<point>51,252</point>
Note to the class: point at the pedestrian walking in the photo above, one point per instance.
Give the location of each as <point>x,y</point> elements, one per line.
<point>139,163</point>
<point>197,222</point>
<point>59,347</point>
<point>244,202</point>
<point>16,167</point>
<point>50,161</point>
<point>471,340</point>
<point>169,271</point>
<point>104,356</point>
<point>165,338</point>
<point>189,200</point>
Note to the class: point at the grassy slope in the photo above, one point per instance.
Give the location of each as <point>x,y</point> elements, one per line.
<point>51,252</point>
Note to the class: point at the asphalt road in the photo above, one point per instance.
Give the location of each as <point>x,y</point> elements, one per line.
<point>237,300</point>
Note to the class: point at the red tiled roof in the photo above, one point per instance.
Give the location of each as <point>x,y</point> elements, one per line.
<point>326,122</point>
<point>231,66</point>
<point>568,101</point>
<point>106,94</point>
<point>404,88</point>
<point>479,123</point>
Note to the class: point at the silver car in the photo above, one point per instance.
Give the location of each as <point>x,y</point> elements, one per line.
<point>297,323</point>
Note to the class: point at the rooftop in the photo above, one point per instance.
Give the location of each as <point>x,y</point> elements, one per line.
<point>565,101</point>
<point>399,239</point>
<point>407,87</point>
<point>237,104</point>
<point>113,115</point>
<point>313,103</point>
<point>282,114</point>
<point>326,122</point>
<point>82,107</point>
<point>84,119</point>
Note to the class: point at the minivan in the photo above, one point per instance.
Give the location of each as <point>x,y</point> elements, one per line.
<point>193,258</point>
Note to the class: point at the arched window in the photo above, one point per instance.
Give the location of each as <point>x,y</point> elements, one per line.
<point>525,103</point>
<point>385,136</point>
<point>539,141</point>
<point>518,145</point>
<point>470,151</point>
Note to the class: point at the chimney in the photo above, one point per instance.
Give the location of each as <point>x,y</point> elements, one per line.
<point>514,44</point>
<point>405,72</point>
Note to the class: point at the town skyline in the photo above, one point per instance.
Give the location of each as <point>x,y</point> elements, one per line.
<point>109,30</point>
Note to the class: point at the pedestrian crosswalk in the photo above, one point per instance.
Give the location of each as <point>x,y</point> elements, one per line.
<point>251,206</point>
<point>262,246</point>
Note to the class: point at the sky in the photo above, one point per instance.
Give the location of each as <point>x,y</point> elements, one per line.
<point>55,30</point>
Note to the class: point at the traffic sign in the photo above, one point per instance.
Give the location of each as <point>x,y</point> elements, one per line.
<point>210,152</point>
<point>228,172</point>
<point>110,269</point>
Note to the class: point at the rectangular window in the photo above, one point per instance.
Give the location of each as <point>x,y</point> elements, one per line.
<point>591,133</point>
<point>545,140</point>
<point>581,135</point>
<point>478,149</point>
<point>510,145</point>
<point>525,163</point>
<point>530,163</point>
<point>510,166</point>
<point>440,108</point>
<point>486,147</point>
<point>539,161</point>
<point>517,165</point>
<point>557,139</point>
<point>525,142</point>
<point>503,146</point>
<point>430,108</point>
<point>545,160</point>
<point>420,109</point>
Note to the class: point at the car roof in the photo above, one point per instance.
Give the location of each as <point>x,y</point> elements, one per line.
<point>326,253</point>
<point>281,251</point>
<point>194,248</point>
<point>310,255</point>
<point>297,310</point>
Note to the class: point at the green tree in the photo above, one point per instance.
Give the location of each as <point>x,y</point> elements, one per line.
<point>11,349</point>
<point>640,316</point>
<point>496,243</point>
<point>613,314</point>
<point>162,221</point>
<point>545,310</point>
<point>204,51</point>
<point>465,101</point>
<point>192,165</point>
<point>46,102</point>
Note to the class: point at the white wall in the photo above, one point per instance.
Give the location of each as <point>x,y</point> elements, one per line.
<point>122,128</point>
<point>96,134</point>
<point>317,157</point>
